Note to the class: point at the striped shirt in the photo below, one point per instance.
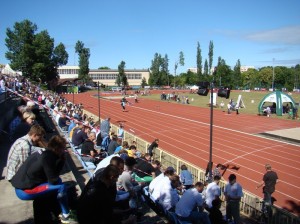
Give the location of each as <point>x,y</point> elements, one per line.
<point>17,155</point>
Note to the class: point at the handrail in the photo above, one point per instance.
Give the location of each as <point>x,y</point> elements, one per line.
<point>249,205</point>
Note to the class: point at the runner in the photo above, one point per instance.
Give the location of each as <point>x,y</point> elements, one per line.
<point>123,103</point>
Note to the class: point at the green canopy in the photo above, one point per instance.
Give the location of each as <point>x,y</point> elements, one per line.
<point>279,98</point>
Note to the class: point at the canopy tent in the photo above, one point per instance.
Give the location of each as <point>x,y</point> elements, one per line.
<point>278,98</point>
<point>7,70</point>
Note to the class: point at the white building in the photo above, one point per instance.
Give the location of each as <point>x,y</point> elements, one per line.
<point>245,68</point>
<point>106,76</point>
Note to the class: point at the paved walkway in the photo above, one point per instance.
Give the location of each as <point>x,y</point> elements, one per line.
<point>292,134</point>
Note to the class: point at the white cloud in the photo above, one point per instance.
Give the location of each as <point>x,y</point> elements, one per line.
<point>285,35</point>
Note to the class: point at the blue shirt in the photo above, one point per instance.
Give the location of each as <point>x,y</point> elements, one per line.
<point>186,177</point>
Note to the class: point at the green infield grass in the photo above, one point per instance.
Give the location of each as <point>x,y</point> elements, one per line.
<point>251,100</point>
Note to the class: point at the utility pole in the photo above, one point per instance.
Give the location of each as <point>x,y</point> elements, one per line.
<point>273,76</point>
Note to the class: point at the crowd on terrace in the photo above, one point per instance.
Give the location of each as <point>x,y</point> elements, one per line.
<point>123,178</point>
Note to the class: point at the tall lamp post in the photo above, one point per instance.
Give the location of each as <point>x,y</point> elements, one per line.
<point>98,100</point>
<point>203,91</point>
<point>273,76</point>
<point>73,90</point>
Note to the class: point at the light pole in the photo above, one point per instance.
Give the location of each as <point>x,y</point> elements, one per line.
<point>211,130</point>
<point>73,89</point>
<point>273,76</point>
<point>98,100</point>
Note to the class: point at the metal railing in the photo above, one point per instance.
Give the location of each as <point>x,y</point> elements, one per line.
<point>249,205</point>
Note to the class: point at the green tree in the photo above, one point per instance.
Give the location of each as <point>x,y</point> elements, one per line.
<point>155,70</point>
<point>34,53</point>
<point>237,79</point>
<point>165,70</point>
<point>144,82</point>
<point>223,73</point>
<point>199,62</point>
<point>266,76</point>
<point>84,55</point>
<point>210,55</point>
<point>104,67</point>
<point>250,78</point>
<point>122,78</point>
<point>205,73</point>
<point>180,62</point>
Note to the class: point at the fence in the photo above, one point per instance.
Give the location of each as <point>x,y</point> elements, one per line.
<point>250,204</point>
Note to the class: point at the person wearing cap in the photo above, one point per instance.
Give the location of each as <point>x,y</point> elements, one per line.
<point>233,193</point>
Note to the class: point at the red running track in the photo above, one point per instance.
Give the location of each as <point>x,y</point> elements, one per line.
<point>184,130</point>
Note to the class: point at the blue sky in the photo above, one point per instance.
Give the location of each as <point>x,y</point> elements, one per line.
<point>253,31</point>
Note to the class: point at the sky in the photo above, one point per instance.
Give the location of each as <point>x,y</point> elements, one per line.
<point>258,32</point>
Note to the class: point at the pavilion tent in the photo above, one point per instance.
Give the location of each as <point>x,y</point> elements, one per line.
<point>278,98</point>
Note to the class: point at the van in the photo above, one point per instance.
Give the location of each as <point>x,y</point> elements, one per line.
<point>116,89</point>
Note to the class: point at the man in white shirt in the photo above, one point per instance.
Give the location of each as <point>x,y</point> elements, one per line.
<point>186,208</point>
<point>213,191</point>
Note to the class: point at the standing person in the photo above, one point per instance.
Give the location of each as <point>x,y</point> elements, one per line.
<point>105,127</point>
<point>229,108</point>
<point>135,98</point>
<point>38,177</point>
<point>186,208</point>
<point>153,145</point>
<point>121,131</point>
<point>269,181</point>
<point>123,103</point>
<point>186,177</point>
<point>233,194</point>
<point>213,191</point>
<point>22,148</point>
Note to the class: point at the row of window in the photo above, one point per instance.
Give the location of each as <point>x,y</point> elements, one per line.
<point>114,76</point>
<point>68,71</point>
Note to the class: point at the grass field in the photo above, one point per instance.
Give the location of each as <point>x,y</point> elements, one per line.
<point>251,100</point>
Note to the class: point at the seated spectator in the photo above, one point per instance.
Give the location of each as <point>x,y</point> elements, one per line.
<point>190,206</point>
<point>80,135</point>
<point>124,146</point>
<point>22,148</point>
<point>112,145</point>
<point>71,126</point>
<point>63,122</point>
<point>28,119</point>
<point>126,183</point>
<point>132,152</point>
<point>186,177</point>
<point>38,176</point>
<point>157,180</point>
<point>88,151</point>
<point>168,194</point>
<point>18,116</point>
<point>119,147</point>
<point>156,164</point>
<point>144,170</point>
<point>215,215</point>
<point>96,203</point>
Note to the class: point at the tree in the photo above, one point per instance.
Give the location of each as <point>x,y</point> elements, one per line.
<point>122,78</point>
<point>34,53</point>
<point>199,62</point>
<point>155,70</point>
<point>210,55</point>
<point>205,68</point>
<point>237,79</point>
<point>84,55</point>
<point>165,69</point>
<point>180,62</point>
<point>104,67</point>
<point>144,82</point>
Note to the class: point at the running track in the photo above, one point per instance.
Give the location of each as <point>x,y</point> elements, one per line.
<point>185,131</point>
